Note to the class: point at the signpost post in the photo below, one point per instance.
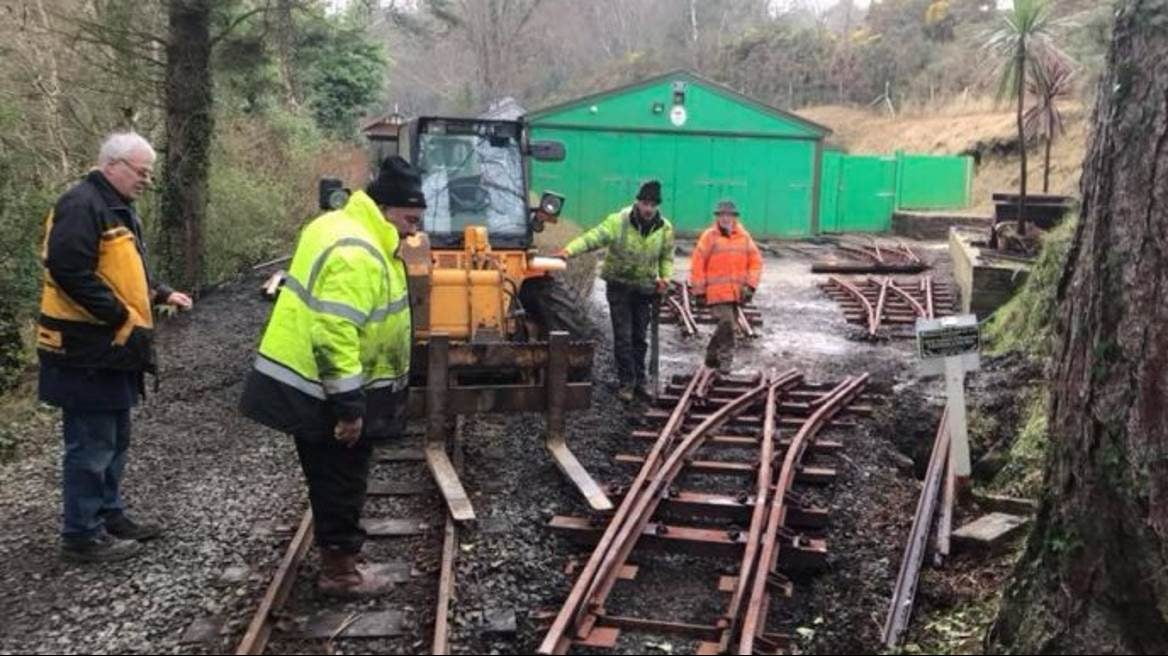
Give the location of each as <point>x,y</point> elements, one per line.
<point>949,347</point>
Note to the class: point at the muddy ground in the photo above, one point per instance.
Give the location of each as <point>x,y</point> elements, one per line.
<point>229,491</point>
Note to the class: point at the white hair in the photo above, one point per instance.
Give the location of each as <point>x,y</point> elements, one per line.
<point>121,145</point>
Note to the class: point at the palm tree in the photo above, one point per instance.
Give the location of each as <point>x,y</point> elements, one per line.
<point>1051,80</point>
<point>1026,32</point>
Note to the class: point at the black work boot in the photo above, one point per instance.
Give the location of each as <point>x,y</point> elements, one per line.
<point>101,548</point>
<point>124,528</point>
<point>641,392</point>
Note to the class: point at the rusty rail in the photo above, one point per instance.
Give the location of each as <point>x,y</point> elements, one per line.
<point>556,640</point>
<point>912,302</point>
<point>850,289</point>
<point>744,323</point>
<point>255,640</point>
<point>583,618</point>
<point>900,609</point>
<point>754,623</point>
<point>689,327</point>
<point>888,302</point>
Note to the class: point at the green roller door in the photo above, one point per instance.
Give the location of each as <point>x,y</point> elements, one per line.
<point>702,141</point>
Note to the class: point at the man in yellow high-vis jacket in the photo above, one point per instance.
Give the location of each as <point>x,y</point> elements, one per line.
<point>334,360</point>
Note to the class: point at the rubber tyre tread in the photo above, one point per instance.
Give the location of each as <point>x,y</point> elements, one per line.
<point>555,306</point>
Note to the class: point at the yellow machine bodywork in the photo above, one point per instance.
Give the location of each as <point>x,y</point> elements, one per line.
<point>466,294</point>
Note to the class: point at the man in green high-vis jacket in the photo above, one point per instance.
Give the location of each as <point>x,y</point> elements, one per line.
<point>334,361</point>
<point>638,266</point>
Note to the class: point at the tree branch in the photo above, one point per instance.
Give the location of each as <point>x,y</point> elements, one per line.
<point>239,20</point>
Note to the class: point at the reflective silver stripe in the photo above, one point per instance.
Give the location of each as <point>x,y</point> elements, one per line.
<point>394,384</point>
<point>326,307</point>
<point>347,241</point>
<point>282,374</point>
<point>393,308</point>
<point>342,385</point>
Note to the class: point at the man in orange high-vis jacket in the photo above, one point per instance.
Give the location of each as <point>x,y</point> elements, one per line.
<point>724,271</point>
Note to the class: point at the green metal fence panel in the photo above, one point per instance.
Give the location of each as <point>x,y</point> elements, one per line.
<point>932,182</point>
<point>829,187</point>
<point>867,193</point>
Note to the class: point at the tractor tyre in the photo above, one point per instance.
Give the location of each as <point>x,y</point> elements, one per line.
<point>552,305</point>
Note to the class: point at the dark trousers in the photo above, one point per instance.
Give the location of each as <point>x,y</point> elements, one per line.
<point>629,308</point>
<point>720,350</point>
<point>337,476</point>
<point>96,444</point>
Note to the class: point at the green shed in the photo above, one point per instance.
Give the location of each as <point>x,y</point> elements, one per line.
<point>703,141</point>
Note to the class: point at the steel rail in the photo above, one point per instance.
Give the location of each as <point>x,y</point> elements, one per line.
<point>255,640</point>
<point>686,329</point>
<point>728,623</point>
<point>849,288</point>
<point>446,581</point>
<point>554,641</point>
<point>879,313</point>
<point>912,256</point>
<point>753,625</point>
<point>744,323</point>
<point>913,303</point>
<point>647,502</point>
<point>927,286</point>
<point>900,609</point>
<point>687,305</point>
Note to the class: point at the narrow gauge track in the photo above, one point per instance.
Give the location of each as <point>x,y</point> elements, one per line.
<point>271,607</point>
<point>679,307</point>
<point>882,302</point>
<point>783,527</point>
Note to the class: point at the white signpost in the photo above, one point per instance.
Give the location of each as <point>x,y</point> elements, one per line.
<point>950,346</point>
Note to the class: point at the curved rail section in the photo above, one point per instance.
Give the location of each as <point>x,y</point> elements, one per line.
<point>877,303</point>
<point>713,412</point>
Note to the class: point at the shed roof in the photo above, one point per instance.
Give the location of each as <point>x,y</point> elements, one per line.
<point>590,111</point>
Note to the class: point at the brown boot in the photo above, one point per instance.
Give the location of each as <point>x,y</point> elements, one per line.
<point>341,576</point>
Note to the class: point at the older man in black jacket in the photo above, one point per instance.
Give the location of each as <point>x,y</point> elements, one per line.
<point>94,341</point>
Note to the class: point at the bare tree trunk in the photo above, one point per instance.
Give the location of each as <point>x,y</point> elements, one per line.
<point>189,127</point>
<point>1094,576</point>
<point>1020,65</point>
<point>48,83</point>
<point>285,37</point>
<point>1046,163</point>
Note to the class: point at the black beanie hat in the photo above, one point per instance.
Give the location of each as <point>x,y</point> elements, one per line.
<point>651,192</point>
<point>398,184</point>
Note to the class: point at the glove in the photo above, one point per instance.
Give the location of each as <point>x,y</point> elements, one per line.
<point>662,285</point>
<point>747,294</point>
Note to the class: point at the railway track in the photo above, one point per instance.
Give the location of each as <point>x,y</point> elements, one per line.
<point>681,308</point>
<point>400,469</point>
<point>886,302</point>
<point>723,478</point>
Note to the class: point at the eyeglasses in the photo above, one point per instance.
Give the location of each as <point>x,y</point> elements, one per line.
<point>143,172</point>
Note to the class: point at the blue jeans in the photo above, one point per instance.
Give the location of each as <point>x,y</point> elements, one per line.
<point>95,457</point>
